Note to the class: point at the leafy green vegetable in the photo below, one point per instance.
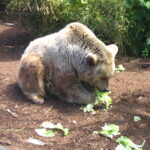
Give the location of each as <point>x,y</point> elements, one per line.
<point>88,108</point>
<point>137,118</point>
<point>126,144</point>
<point>44,132</point>
<point>109,130</point>
<point>101,98</point>
<point>57,126</point>
<point>120,68</point>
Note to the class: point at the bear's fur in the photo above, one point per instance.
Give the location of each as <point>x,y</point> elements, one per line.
<point>68,63</point>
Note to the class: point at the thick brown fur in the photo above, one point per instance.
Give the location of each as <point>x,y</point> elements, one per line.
<point>31,78</point>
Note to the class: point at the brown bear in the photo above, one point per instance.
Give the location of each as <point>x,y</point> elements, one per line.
<point>66,63</point>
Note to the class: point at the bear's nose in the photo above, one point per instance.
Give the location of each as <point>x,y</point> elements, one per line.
<point>105,90</point>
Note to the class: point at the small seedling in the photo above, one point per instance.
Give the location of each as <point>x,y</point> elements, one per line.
<point>137,118</point>
<point>102,98</point>
<point>126,144</point>
<point>120,68</point>
<point>109,130</point>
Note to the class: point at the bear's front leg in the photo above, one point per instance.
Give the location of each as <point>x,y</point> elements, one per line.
<point>79,95</point>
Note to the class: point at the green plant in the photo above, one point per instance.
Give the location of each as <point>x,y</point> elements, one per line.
<point>44,16</point>
<point>104,17</point>
<point>145,53</point>
<point>138,13</point>
<point>124,23</point>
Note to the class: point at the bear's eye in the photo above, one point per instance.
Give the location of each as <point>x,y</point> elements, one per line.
<point>90,63</point>
<point>105,78</point>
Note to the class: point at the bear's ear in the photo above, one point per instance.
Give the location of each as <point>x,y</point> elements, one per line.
<point>92,59</point>
<point>112,49</point>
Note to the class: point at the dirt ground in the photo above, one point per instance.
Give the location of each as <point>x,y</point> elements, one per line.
<point>130,94</point>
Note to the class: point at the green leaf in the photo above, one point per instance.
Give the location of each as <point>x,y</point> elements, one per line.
<point>44,132</point>
<point>138,14</point>
<point>84,1</point>
<point>126,144</point>
<point>137,118</point>
<point>88,108</point>
<point>121,147</point>
<point>147,4</point>
<point>57,126</point>
<point>109,130</point>
<point>142,2</point>
<point>48,124</point>
<point>120,68</point>
<point>148,41</point>
<point>66,131</point>
<point>103,98</point>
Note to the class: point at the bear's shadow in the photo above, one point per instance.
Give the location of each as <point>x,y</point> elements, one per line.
<point>14,93</point>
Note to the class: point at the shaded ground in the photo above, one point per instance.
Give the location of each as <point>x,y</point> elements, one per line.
<point>130,94</point>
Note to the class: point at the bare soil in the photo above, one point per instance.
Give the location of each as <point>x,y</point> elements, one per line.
<point>130,94</point>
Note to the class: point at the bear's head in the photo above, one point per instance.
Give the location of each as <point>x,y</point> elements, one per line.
<point>101,68</point>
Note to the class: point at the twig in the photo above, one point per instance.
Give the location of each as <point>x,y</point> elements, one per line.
<point>12,113</point>
<point>48,109</point>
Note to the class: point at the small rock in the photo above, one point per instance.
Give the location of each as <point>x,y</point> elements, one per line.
<point>74,122</point>
<point>9,24</point>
